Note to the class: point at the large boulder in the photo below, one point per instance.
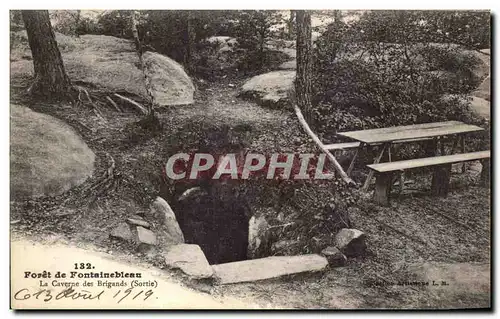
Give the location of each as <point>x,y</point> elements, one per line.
<point>478,106</point>
<point>112,64</point>
<point>269,89</point>
<point>481,107</point>
<point>170,83</point>
<point>224,43</point>
<point>484,89</point>
<point>288,65</point>
<point>483,68</point>
<point>47,157</point>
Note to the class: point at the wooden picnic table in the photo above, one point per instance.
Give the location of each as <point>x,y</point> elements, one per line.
<point>408,133</point>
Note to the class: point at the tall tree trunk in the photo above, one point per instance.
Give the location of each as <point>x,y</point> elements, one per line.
<point>51,80</point>
<point>303,82</point>
<point>190,39</point>
<point>135,34</point>
<point>290,24</point>
<point>337,16</point>
<point>303,86</point>
<point>150,120</point>
<point>77,22</point>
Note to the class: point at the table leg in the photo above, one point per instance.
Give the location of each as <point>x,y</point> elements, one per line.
<point>351,166</point>
<point>454,146</point>
<point>441,146</point>
<point>401,181</point>
<point>370,174</point>
<point>430,147</point>
<point>462,149</point>
<point>485,173</point>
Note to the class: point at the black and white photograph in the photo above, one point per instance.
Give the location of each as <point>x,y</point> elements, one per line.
<point>286,159</point>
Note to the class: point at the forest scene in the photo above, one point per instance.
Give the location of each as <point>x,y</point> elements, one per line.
<point>393,104</point>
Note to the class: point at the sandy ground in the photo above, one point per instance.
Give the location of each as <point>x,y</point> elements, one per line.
<point>38,257</point>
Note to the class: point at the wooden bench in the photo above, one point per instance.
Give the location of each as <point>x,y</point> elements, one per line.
<point>441,176</point>
<point>341,146</point>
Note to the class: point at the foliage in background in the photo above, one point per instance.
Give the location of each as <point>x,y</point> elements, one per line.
<point>393,68</point>
<point>253,30</point>
<point>470,29</point>
<point>167,32</point>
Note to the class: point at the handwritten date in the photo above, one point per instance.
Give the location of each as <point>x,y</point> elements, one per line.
<point>48,295</point>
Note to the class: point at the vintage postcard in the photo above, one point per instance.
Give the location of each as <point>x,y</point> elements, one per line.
<point>250,159</point>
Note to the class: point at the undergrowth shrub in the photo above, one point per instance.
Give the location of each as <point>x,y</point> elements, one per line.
<point>361,84</point>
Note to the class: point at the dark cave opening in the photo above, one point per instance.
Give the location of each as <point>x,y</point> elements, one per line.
<point>216,217</point>
<point>217,220</point>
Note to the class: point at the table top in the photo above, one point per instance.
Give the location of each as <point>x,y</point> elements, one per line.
<point>409,132</point>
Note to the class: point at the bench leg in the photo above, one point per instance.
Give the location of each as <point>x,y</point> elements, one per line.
<point>485,173</point>
<point>370,173</point>
<point>430,148</point>
<point>462,149</point>
<point>442,146</point>
<point>351,166</point>
<point>401,181</point>
<point>441,180</point>
<point>383,186</point>
<point>454,146</point>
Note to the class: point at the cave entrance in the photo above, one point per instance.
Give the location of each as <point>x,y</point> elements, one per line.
<point>217,221</point>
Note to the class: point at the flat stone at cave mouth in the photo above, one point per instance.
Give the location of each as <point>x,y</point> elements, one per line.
<point>138,222</point>
<point>190,259</point>
<point>266,268</point>
<point>161,212</point>
<point>122,231</point>
<point>146,236</point>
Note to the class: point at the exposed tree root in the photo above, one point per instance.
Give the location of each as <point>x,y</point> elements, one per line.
<point>94,106</point>
<point>38,90</point>
<point>114,104</point>
<point>84,126</point>
<point>134,103</point>
<point>94,98</point>
<point>103,185</point>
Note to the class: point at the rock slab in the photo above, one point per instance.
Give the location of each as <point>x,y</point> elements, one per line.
<point>138,222</point>
<point>351,242</point>
<point>146,236</point>
<point>190,259</point>
<point>257,235</point>
<point>334,256</point>
<point>161,212</point>
<point>122,231</point>
<point>266,268</point>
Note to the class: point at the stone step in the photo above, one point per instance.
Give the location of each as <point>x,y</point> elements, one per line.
<point>190,259</point>
<point>265,268</point>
